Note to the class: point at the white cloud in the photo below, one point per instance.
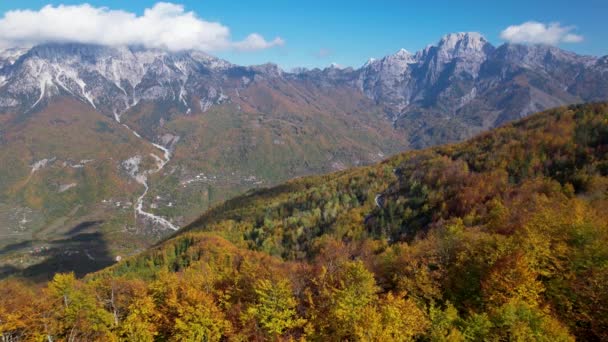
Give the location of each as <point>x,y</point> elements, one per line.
<point>533,32</point>
<point>165,25</point>
<point>256,42</point>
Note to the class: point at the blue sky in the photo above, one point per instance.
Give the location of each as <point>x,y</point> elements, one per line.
<point>317,33</point>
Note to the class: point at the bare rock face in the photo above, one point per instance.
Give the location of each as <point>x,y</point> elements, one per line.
<point>403,79</point>
<point>107,78</point>
<point>463,73</point>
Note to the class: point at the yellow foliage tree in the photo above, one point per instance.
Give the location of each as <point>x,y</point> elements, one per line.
<point>275,307</point>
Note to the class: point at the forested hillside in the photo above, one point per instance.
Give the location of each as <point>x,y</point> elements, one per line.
<point>499,238</point>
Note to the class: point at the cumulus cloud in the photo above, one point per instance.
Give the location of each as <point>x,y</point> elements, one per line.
<point>256,42</point>
<point>533,32</point>
<point>165,25</point>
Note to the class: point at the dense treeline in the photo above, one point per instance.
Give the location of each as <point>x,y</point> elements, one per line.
<point>364,291</point>
<point>499,238</point>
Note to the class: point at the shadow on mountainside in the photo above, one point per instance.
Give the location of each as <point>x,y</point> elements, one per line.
<point>81,253</point>
<point>15,247</point>
<point>83,226</point>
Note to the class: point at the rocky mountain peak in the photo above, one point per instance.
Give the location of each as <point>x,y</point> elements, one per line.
<point>468,40</point>
<point>403,53</point>
<point>369,62</point>
<point>467,45</point>
<point>402,56</point>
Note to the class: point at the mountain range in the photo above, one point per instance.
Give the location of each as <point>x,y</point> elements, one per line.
<point>107,149</point>
<point>463,74</point>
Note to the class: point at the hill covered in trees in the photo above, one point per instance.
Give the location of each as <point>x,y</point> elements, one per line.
<point>502,237</point>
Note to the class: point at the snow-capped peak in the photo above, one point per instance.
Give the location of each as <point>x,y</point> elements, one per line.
<point>403,52</point>
<point>369,62</point>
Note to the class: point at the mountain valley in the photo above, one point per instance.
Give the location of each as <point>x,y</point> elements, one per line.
<point>106,150</point>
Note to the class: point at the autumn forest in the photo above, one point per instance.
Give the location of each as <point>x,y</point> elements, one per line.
<point>502,237</point>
